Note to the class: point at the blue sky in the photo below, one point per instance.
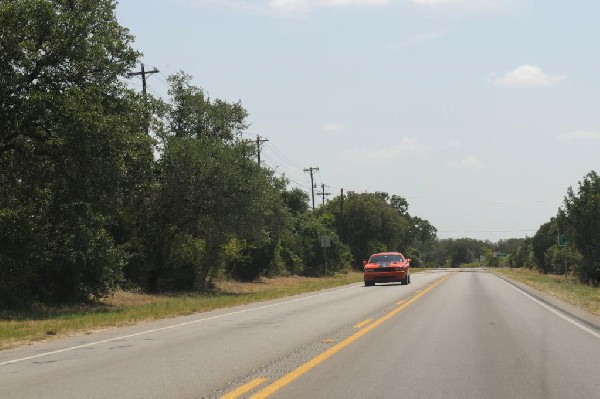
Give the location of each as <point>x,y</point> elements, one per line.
<point>480,112</point>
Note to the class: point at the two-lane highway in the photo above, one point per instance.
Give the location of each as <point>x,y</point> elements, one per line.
<point>203,355</point>
<point>474,336</point>
<point>451,335</point>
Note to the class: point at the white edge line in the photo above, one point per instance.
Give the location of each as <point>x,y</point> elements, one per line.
<point>551,309</point>
<point>71,348</point>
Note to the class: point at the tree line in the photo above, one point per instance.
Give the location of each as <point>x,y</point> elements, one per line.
<point>570,241</point>
<point>90,202</point>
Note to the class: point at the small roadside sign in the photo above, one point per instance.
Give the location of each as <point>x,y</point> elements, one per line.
<point>562,240</point>
<point>325,241</point>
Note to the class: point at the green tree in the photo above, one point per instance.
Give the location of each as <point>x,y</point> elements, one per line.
<point>192,114</point>
<point>491,259</point>
<point>561,259</point>
<point>452,252</point>
<point>296,201</point>
<point>462,251</point>
<point>302,249</point>
<point>210,191</point>
<point>580,217</point>
<point>422,236</point>
<point>215,211</point>
<point>70,136</point>
<point>371,222</point>
<point>544,239</point>
<point>523,255</point>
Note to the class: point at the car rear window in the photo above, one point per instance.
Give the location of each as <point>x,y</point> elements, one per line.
<point>385,258</point>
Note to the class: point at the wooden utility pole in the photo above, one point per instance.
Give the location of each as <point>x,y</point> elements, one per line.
<point>143,74</point>
<point>323,193</point>
<point>311,170</point>
<point>259,141</point>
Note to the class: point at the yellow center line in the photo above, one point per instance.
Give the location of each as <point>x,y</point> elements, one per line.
<point>244,388</point>
<point>363,323</point>
<point>288,378</point>
<point>401,302</point>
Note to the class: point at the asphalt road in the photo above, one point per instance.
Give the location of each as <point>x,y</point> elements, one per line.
<point>450,335</point>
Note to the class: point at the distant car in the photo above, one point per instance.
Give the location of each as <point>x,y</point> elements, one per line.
<point>387,267</point>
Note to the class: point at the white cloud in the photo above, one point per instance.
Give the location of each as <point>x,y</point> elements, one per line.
<point>290,6</point>
<point>580,135</point>
<point>407,146</point>
<point>527,75</point>
<point>333,127</point>
<point>467,163</point>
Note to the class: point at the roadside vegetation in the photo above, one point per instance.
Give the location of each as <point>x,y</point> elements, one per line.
<point>568,289</point>
<point>41,322</point>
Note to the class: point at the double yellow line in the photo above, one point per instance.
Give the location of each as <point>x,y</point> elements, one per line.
<point>288,378</point>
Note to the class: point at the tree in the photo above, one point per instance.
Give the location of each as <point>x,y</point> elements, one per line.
<point>491,259</point>
<point>215,212</point>
<point>69,139</point>
<point>302,249</point>
<point>192,114</point>
<point>455,252</point>
<point>580,219</point>
<point>296,201</point>
<point>561,259</point>
<point>523,255</point>
<point>376,222</point>
<point>420,236</point>
<point>399,203</point>
<point>543,240</point>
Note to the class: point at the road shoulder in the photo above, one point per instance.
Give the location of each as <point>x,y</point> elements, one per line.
<point>589,319</point>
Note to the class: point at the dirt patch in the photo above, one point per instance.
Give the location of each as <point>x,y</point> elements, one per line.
<point>125,298</point>
<point>260,285</point>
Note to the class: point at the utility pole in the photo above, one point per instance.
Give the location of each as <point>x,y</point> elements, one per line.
<point>143,73</point>
<point>340,221</point>
<point>323,193</point>
<point>312,184</point>
<point>259,141</point>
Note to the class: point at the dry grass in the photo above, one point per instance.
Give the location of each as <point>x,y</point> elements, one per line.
<point>126,308</point>
<point>567,289</point>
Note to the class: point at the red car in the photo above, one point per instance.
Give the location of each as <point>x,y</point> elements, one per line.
<point>387,267</point>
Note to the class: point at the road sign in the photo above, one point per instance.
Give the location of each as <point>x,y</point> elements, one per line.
<point>562,240</point>
<point>325,241</point>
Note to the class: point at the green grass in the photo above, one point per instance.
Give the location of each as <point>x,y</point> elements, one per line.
<point>126,308</point>
<point>567,289</point>
<point>470,265</point>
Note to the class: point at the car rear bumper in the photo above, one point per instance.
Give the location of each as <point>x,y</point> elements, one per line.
<point>385,277</point>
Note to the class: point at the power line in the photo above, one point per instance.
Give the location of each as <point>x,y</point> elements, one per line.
<point>283,157</point>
